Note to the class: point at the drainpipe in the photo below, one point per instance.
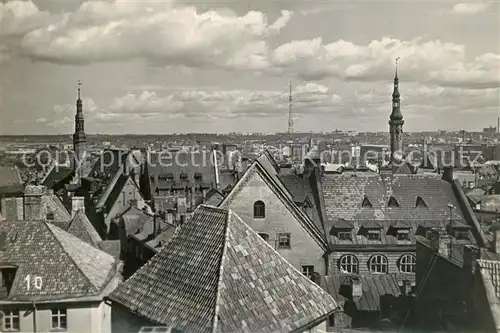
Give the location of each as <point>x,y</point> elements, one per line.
<point>34,317</point>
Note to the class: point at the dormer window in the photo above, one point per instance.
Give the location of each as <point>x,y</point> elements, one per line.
<point>166,178</point>
<point>366,202</point>
<point>392,202</point>
<point>49,216</point>
<point>8,275</point>
<point>342,233</point>
<point>420,202</point>
<point>373,234</point>
<point>184,177</point>
<point>198,177</point>
<point>403,234</point>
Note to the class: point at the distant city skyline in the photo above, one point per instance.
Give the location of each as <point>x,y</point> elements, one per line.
<point>223,67</point>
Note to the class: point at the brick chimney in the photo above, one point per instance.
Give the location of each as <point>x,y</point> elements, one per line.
<point>77,203</point>
<point>447,174</point>
<point>33,202</point>
<point>471,254</point>
<point>440,242</point>
<point>357,287</point>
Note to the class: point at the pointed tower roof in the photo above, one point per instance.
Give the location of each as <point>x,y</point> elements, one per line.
<point>218,275</point>
<point>396,107</point>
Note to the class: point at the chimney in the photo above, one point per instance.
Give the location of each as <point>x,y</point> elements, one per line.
<point>440,242</point>
<point>357,287</point>
<point>496,239</point>
<point>77,203</point>
<point>447,174</point>
<point>471,254</point>
<point>33,203</point>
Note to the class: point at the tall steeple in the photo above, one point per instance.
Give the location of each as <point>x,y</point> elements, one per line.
<point>79,138</point>
<point>396,121</point>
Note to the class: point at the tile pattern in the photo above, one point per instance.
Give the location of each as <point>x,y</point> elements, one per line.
<point>260,291</point>
<point>491,271</point>
<point>214,198</point>
<point>217,275</point>
<point>374,286</point>
<point>68,266</point>
<point>343,196</point>
<point>81,227</point>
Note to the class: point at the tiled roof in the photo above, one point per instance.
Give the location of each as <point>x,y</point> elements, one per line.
<point>111,247</point>
<point>374,286</point>
<point>56,175</point>
<point>10,180</point>
<point>490,271</point>
<point>177,163</point>
<point>133,219</point>
<point>344,195</point>
<point>214,198</point>
<point>68,266</point>
<point>217,275</point>
<point>81,227</point>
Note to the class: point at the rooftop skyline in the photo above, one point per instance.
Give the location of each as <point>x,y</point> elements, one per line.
<point>224,66</point>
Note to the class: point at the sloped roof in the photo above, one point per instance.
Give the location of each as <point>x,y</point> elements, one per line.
<point>10,180</point>
<point>269,164</point>
<point>316,231</point>
<point>68,266</point>
<point>214,197</point>
<point>374,286</point>
<point>81,227</point>
<point>217,275</point>
<point>56,175</point>
<point>490,275</point>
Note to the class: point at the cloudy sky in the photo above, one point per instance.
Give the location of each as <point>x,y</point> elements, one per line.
<point>224,66</point>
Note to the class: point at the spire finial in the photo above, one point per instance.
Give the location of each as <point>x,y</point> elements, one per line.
<point>79,87</point>
<point>397,61</point>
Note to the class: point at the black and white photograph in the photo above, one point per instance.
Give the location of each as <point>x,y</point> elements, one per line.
<point>249,166</point>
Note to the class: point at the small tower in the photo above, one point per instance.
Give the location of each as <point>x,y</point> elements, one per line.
<point>396,122</point>
<point>79,138</point>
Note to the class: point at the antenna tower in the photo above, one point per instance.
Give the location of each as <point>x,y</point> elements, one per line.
<point>290,113</point>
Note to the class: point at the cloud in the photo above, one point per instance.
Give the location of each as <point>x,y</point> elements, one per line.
<point>428,62</point>
<point>470,8</point>
<point>309,101</point>
<point>161,32</point>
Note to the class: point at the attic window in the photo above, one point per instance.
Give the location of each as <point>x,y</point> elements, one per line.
<point>403,234</point>
<point>393,202</point>
<point>198,177</point>
<point>166,177</point>
<point>184,177</point>
<point>8,275</point>
<point>366,202</point>
<point>420,202</point>
<point>373,234</point>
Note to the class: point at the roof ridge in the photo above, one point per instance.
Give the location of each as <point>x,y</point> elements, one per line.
<point>221,269</point>
<point>46,224</point>
<point>217,209</point>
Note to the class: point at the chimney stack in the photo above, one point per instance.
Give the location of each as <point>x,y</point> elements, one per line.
<point>77,203</point>
<point>33,202</point>
<point>448,174</point>
<point>441,242</point>
<point>357,287</point>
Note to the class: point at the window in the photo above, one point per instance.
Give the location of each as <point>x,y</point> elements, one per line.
<point>378,264</point>
<point>166,177</point>
<point>349,264</point>
<point>393,202</point>
<point>283,241</point>
<point>408,263</point>
<point>8,275</point>
<point>366,202</point>
<point>403,234</point>
<point>184,177</point>
<point>59,319</point>
<point>11,320</point>
<point>49,216</point>
<point>259,210</point>
<point>308,271</point>
<point>344,235</point>
<point>373,234</point>
<point>420,202</point>
<point>264,236</point>
<point>198,177</point>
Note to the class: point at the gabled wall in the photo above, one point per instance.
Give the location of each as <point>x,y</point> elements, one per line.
<point>304,250</point>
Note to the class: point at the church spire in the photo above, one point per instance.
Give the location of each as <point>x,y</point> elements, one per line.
<point>79,137</point>
<point>396,121</point>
